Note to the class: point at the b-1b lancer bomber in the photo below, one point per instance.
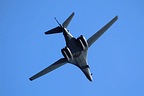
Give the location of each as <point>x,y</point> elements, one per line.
<point>75,51</point>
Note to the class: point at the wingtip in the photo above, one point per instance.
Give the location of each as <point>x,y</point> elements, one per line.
<point>30,79</point>
<point>46,33</point>
<point>73,12</point>
<point>116,16</point>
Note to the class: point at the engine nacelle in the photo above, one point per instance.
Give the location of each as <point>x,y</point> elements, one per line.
<point>82,42</point>
<point>67,53</point>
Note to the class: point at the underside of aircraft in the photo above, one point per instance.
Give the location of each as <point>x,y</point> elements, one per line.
<point>75,51</point>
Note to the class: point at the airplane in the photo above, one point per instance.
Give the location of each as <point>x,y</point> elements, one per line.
<point>75,51</point>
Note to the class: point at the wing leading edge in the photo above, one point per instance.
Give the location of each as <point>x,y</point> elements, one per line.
<point>50,68</point>
<point>93,38</point>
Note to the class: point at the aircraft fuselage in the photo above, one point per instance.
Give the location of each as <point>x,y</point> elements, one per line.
<point>79,55</point>
<point>75,51</point>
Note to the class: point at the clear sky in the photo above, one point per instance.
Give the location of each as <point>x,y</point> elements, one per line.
<point>116,59</point>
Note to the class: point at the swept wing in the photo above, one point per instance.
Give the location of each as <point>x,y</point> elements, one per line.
<point>93,38</point>
<point>50,68</point>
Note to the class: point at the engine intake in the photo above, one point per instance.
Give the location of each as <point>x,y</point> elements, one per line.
<point>82,42</point>
<point>67,53</point>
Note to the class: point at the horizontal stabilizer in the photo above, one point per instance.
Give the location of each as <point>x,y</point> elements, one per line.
<point>60,28</point>
<point>50,68</point>
<point>93,38</point>
<point>54,30</point>
<point>67,21</point>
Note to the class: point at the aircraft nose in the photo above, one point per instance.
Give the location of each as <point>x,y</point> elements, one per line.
<point>90,78</point>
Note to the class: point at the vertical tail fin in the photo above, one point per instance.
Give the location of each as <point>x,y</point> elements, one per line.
<point>59,29</point>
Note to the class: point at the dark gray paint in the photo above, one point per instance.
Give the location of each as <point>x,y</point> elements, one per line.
<point>79,55</point>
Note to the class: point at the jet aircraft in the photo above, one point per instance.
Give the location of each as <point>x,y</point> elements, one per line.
<point>75,51</point>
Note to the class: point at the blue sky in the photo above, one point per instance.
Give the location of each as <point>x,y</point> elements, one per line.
<point>116,59</point>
